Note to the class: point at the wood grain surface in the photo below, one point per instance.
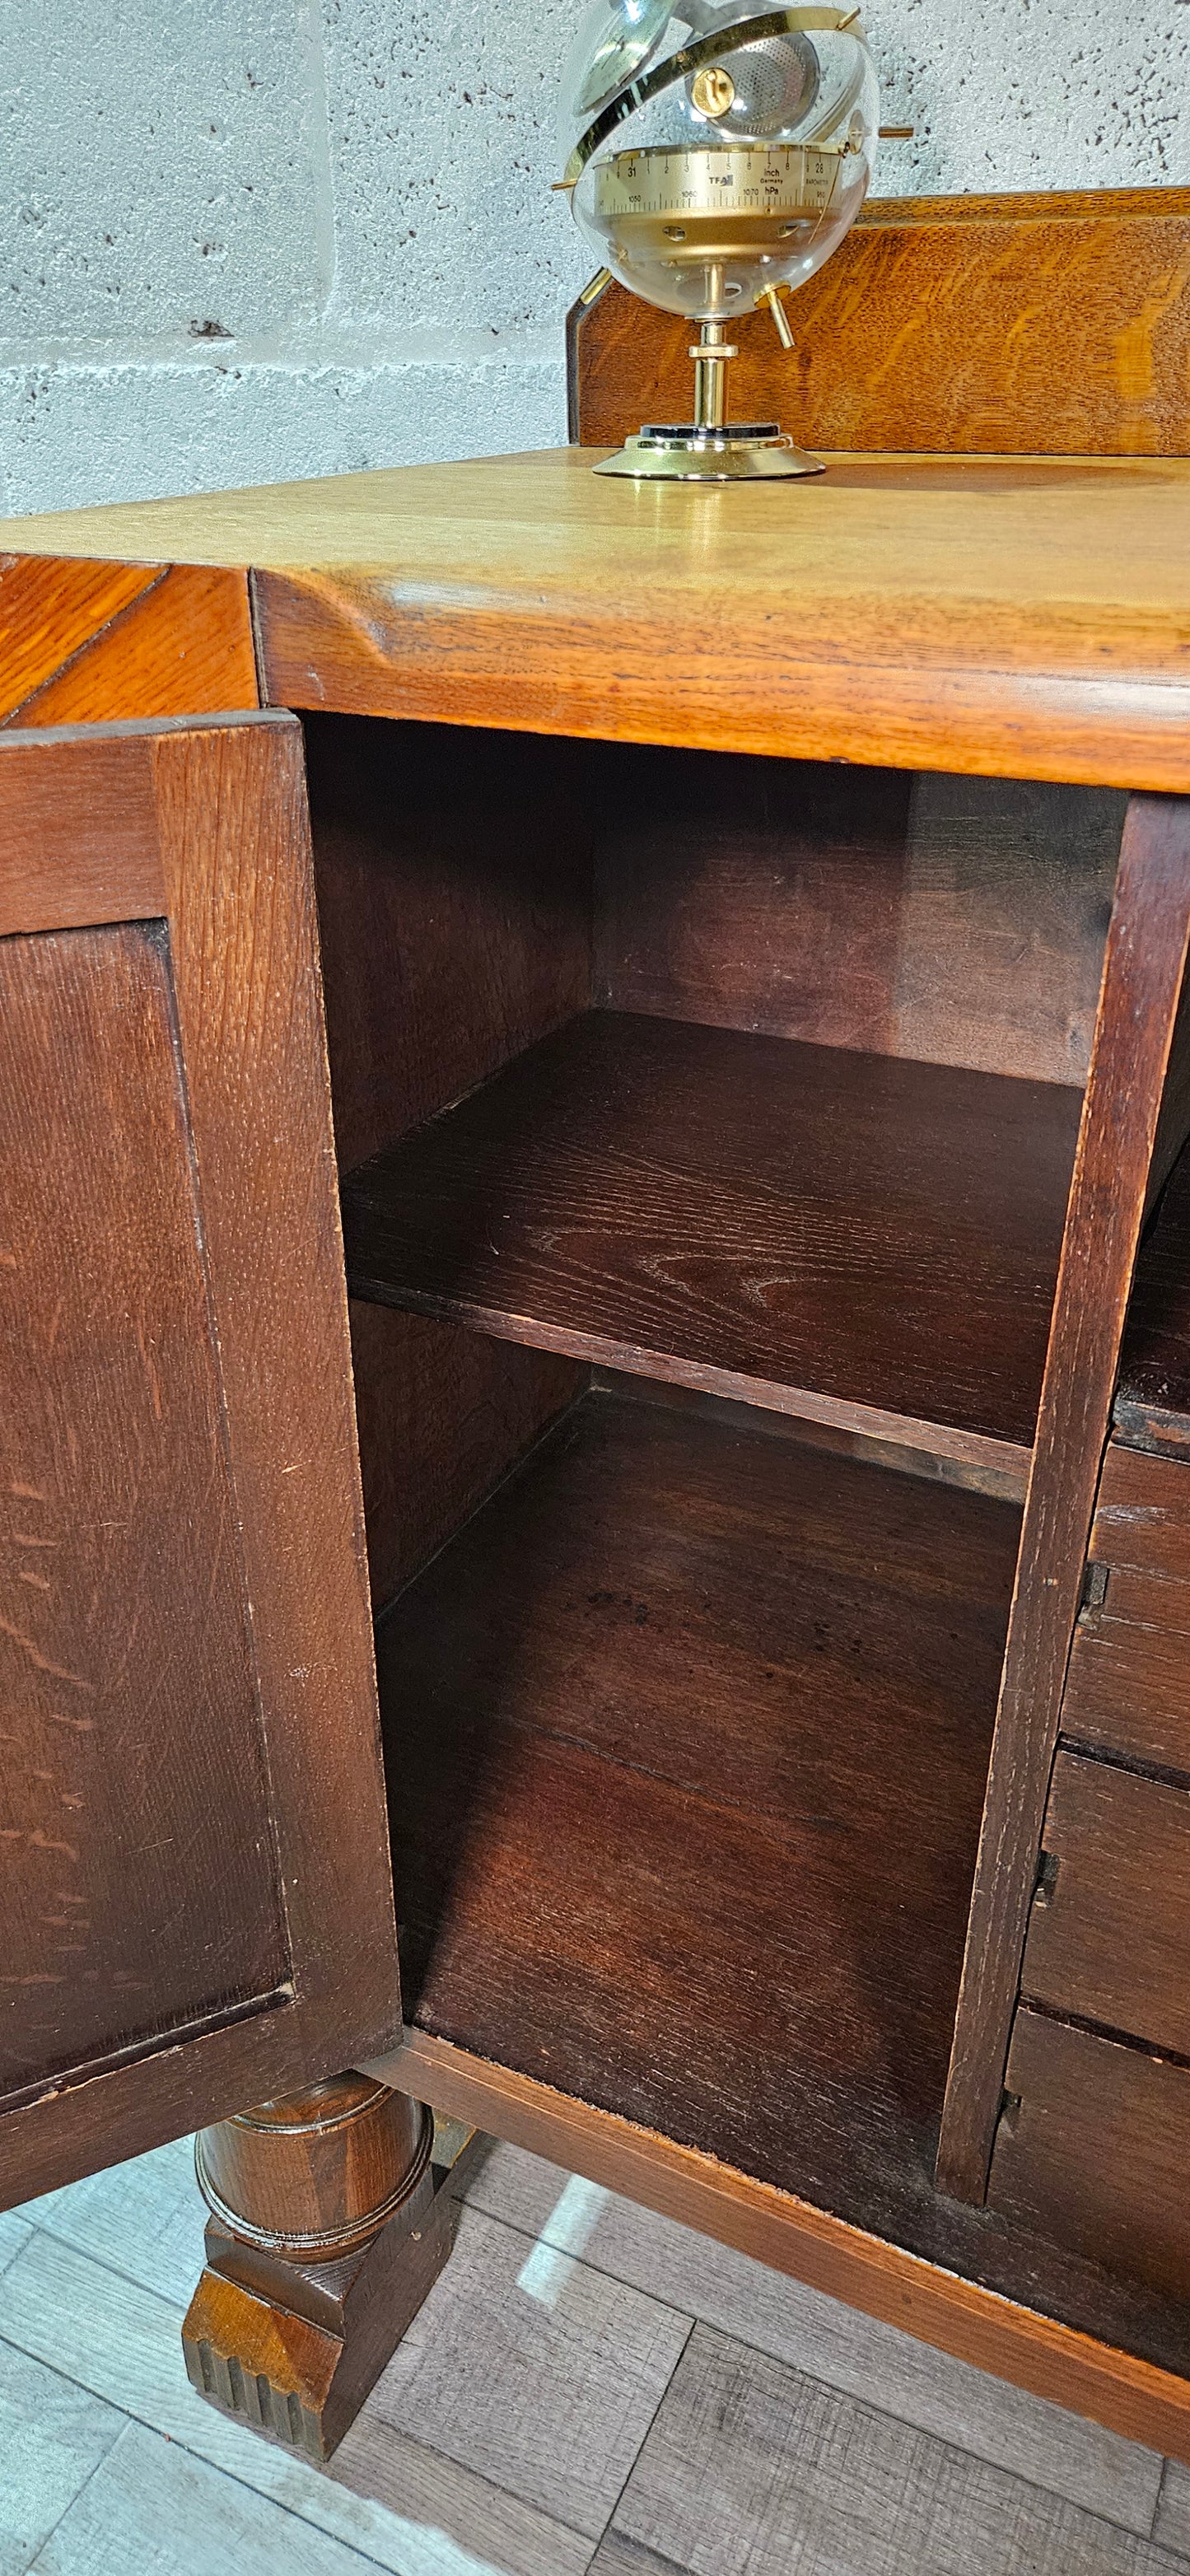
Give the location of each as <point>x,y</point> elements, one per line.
<point>1128,1685</point>
<point>751,2464</point>
<point>138,1898</point>
<point>1142,982</point>
<point>740,1213</point>
<point>839,2348</point>
<point>986,2293</point>
<point>85,643</point>
<point>1109,1930</point>
<point>1142,1514</point>
<point>454,902</point>
<point>1094,2150</point>
<point>441,1415</point>
<point>78,833</point>
<point>248,1881</point>
<point>320,2163</point>
<point>687,1733</point>
<point>236,848</point>
<point>1028,325</point>
<point>52,610</point>
<point>955,920</point>
<point>1015,620</point>
<point>1152,1407</point>
<point>1022,618</point>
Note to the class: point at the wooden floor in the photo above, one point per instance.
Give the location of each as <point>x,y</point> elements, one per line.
<point>587,2388</point>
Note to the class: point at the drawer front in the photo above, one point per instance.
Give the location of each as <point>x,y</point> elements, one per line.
<point>1128,1685</point>
<point>1109,1933</point>
<point>1142,1517</point>
<point>1095,2151</point>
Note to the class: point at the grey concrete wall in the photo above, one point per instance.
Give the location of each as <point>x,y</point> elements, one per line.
<point>243,239</point>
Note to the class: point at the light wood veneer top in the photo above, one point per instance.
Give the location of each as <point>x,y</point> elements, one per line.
<point>1027,617</point>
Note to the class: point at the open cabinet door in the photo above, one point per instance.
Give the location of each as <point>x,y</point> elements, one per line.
<point>195,1891</point>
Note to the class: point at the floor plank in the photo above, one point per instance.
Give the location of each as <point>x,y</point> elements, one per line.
<point>124,2344</point>
<point>1172,2522</point>
<point>144,2219</point>
<point>856,2354</point>
<point>559,2334</point>
<point>14,2232</point>
<point>485,2529</point>
<point>750,2466</point>
<point>620,2556</point>
<point>52,2437</point>
<point>535,2372</point>
<point>153,2509</point>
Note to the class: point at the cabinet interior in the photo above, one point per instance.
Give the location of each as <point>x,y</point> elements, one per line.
<point>706,1126</point>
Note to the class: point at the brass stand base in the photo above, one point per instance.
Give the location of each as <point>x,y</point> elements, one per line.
<point>740,452</point>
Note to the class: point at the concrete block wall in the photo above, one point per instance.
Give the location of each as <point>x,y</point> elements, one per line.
<point>245,239</point>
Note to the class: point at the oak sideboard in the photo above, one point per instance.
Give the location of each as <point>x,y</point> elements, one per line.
<point>595,1274</point>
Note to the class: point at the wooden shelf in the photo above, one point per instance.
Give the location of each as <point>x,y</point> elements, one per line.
<point>689,1730</point>
<point>867,1239</point>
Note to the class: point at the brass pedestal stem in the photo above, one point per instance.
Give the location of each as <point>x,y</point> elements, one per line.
<point>710,354</point>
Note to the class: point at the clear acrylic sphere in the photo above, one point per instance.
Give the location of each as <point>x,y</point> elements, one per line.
<point>717,148</point>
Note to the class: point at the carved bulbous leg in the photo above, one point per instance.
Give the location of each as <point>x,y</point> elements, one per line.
<point>329,2222</point>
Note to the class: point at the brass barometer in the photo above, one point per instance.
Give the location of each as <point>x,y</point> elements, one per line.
<point>716,156</point>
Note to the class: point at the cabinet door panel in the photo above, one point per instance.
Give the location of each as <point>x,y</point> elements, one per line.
<point>136,1896</point>
<point>191,1779</point>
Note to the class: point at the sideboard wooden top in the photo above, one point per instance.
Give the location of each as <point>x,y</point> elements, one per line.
<point>1025,617</point>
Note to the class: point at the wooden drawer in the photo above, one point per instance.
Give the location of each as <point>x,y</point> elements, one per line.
<point>1109,1933</point>
<point>1142,1517</point>
<point>1095,2151</point>
<point>1128,1684</point>
<point>1128,1687</point>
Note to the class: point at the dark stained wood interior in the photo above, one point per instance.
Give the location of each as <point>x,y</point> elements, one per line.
<point>1109,1931</point>
<point>454,908</point>
<point>1093,2149</point>
<point>453,873</point>
<point>688,1731</point>
<point>1142,1518</point>
<point>956,920</point>
<point>1152,1409</point>
<point>744,1213</point>
<point>441,1416</point>
<point>1128,1684</point>
<point>1137,1037</point>
<point>476,889</point>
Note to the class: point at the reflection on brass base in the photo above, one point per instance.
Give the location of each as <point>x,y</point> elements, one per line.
<point>742,452</point>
